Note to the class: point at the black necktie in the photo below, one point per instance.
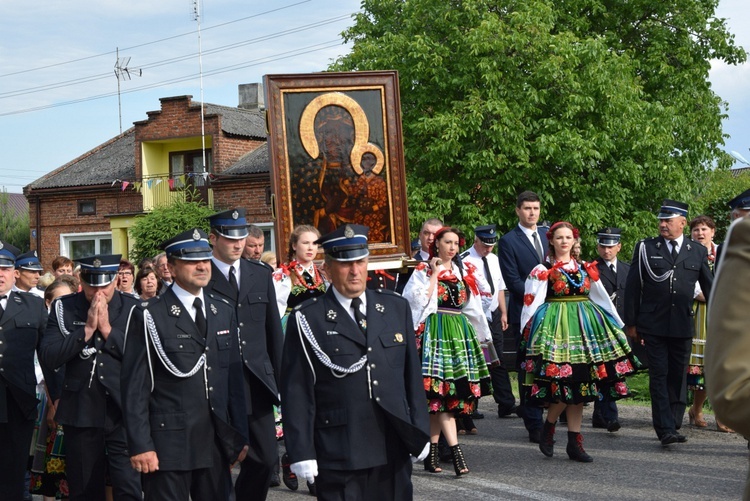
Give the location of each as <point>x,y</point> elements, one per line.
<point>488,275</point>
<point>2,310</point>
<point>612,267</point>
<point>674,249</point>
<point>233,282</point>
<point>358,315</point>
<point>538,247</point>
<point>200,319</point>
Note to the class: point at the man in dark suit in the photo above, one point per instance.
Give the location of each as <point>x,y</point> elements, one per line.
<point>23,318</point>
<point>354,405</point>
<point>247,285</point>
<point>85,335</point>
<point>613,275</point>
<point>182,383</point>
<point>521,249</point>
<point>659,310</point>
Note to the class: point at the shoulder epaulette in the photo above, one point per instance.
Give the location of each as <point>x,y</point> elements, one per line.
<point>464,254</point>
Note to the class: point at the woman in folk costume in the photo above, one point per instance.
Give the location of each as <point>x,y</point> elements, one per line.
<point>573,342</point>
<point>299,278</point>
<point>448,316</point>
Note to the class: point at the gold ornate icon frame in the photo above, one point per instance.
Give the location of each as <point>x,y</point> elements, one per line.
<point>336,152</point>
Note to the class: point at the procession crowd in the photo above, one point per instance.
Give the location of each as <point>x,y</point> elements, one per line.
<point>150,382</point>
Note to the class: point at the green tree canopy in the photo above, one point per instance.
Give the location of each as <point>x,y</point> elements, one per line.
<point>164,222</point>
<point>14,227</point>
<point>601,107</point>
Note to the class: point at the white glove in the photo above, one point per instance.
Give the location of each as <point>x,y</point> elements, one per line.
<point>307,469</point>
<point>422,454</point>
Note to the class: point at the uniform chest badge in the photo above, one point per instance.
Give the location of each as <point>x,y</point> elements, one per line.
<point>688,246</point>
<point>175,310</point>
<point>379,307</point>
<point>399,338</point>
<point>331,315</point>
<point>213,309</point>
<point>658,245</point>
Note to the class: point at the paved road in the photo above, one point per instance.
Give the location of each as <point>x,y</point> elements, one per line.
<point>628,465</point>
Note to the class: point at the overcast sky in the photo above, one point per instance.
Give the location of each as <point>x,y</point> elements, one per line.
<point>58,90</point>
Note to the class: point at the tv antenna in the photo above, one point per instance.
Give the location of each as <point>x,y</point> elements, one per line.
<point>197,18</point>
<point>123,72</point>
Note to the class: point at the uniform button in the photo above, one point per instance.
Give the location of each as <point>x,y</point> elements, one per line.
<point>377,399</point>
<point>244,343</point>
<point>206,348</point>
<point>210,388</point>
<point>98,351</point>
<point>239,305</point>
<point>326,421</point>
<point>1,340</point>
<point>375,383</point>
<point>372,366</point>
<point>162,425</point>
<point>101,377</point>
<point>98,338</point>
<point>180,346</point>
<point>336,350</point>
<point>2,370</point>
<point>101,364</point>
<point>242,324</point>
<point>369,348</point>
<point>1,355</point>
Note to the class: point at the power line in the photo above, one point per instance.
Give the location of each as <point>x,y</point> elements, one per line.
<point>176,59</point>
<point>184,78</point>
<point>53,65</point>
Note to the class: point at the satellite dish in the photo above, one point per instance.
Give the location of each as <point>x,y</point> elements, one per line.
<point>739,157</point>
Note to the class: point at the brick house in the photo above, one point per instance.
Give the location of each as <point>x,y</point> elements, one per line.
<point>87,205</point>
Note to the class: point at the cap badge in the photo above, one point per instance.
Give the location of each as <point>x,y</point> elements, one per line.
<point>399,338</point>
<point>331,315</point>
<point>492,232</point>
<point>349,232</point>
<point>144,304</point>
<point>379,307</point>
<point>235,215</point>
<point>213,309</point>
<point>175,310</point>
<point>196,235</point>
<point>1,245</point>
<point>35,254</point>
<point>96,263</point>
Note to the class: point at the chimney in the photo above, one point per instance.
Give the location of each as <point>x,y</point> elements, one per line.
<point>251,96</point>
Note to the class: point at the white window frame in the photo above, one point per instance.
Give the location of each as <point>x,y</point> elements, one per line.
<point>66,238</point>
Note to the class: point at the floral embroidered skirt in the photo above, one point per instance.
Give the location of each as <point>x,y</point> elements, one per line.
<point>574,352</point>
<point>696,379</point>
<point>48,466</point>
<point>454,370</point>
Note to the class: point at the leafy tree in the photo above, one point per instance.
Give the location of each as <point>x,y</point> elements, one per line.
<point>14,227</point>
<point>151,229</point>
<point>719,188</point>
<point>602,107</point>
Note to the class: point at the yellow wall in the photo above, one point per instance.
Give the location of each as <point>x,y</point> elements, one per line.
<point>121,243</point>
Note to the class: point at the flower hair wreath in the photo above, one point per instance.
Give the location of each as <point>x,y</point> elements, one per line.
<point>551,231</point>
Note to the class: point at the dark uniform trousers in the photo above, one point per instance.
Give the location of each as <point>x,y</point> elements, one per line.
<point>90,406</point>
<point>195,423</point>
<point>360,428</point>
<point>614,283</point>
<point>517,258</point>
<point>501,389</point>
<point>261,342</point>
<point>663,315</point>
<point>21,327</point>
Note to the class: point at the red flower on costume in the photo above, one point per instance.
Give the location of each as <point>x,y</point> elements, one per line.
<point>426,383</point>
<point>529,366</point>
<point>621,388</point>
<point>601,371</point>
<point>623,367</point>
<point>552,370</point>
<point>566,370</point>
<point>559,286</point>
<point>540,273</point>
<point>528,299</point>
<point>420,266</point>
<point>534,389</point>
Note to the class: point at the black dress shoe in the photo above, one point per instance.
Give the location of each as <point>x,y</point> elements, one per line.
<point>505,412</point>
<point>613,426</point>
<point>598,422</point>
<point>669,438</point>
<point>535,436</point>
<point>681,439</point>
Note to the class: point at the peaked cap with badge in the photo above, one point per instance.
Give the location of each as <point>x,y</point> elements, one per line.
<point>8,255</point>
<point>487,234</point>
<point>99,270</point>
<point>672,208</point>
<point>230,223</point>
<point>346,243</point>
<point>190,245</point>
<point>741,201</point>
<point>608,237</point>
<point>29,261</point>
